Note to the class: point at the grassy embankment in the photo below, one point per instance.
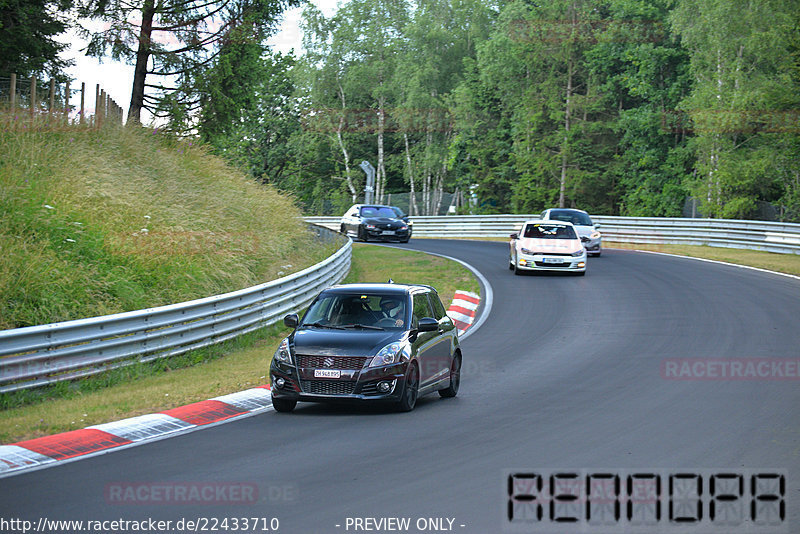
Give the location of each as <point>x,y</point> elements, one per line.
<point>98,222</point>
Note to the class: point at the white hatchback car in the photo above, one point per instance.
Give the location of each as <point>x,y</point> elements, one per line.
<point>586,229</point>
<point>546,246</point>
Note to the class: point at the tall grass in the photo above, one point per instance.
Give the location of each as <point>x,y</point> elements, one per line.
<point>122,218</point>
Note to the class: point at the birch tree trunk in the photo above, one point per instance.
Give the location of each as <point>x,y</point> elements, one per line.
<point>413,209</point>
<point>348,177</point>
<point>380,180</point>
<point>565,146</point>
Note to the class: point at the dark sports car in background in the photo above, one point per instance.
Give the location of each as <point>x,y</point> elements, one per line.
<point>375,221</point>
<point>368,342</point>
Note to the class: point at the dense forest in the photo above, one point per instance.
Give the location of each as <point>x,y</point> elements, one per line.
<point>628,107</point>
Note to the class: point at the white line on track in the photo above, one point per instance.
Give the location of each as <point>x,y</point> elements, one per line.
<point>713,261</point>
<point>488,296</point>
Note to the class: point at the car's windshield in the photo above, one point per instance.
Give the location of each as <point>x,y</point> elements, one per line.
<point>574,217</point>
<point>549,231</point>
<point>398,212</point>
<point>342,310</point>
<point>378,211</point>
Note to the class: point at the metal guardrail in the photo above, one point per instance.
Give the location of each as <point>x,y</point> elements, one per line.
<point>39,355</point>
<point>755,235</point>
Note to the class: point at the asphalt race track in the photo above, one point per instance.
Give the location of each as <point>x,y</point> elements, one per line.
<point>566,373</point>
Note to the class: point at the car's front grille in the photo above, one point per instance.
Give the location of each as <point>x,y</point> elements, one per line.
<point>330,362</point>
<point>328,387</point>
<point>543,264</point>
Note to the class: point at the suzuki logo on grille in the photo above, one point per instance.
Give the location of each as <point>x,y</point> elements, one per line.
<point>328,362</point>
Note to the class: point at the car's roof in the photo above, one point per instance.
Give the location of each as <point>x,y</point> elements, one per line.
<point>383,289</point>
<point>371,205</point>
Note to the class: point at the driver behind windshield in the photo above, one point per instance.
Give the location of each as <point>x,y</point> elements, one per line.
<point>392,309</point>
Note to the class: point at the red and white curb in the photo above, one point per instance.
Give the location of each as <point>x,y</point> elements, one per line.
<point>98,439</point>
<point>463,308</point>
<point>95,439</point>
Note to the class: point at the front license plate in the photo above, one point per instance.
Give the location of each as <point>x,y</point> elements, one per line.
<point>388,232</point>
<point>327,373</point>
<point>552,260</point>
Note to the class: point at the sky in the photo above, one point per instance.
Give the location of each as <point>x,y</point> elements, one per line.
<point>117,78</point>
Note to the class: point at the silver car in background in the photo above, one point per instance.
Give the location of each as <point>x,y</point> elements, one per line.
<point>586,229</point>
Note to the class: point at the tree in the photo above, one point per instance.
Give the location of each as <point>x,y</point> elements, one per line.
<point>350,60</point>
<point>643,73</point>
<point>251,120</point>
<point>27,31</point>
<point>440,36</point>
<point>743,68</point>
<point>175,40</point>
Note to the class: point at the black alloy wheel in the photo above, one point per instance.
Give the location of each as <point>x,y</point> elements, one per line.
<point>411,389</point>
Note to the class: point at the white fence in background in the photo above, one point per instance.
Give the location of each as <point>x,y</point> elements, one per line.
<point>754,235</point>
<point>39,355</point>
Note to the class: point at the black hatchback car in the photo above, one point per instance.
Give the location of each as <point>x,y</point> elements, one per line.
<point>375,221</point>
<point>368,342</point>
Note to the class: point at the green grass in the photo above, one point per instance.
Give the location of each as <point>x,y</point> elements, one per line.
<point>200,375</point>
<point>379,264</point>
<point>94,222</point>
<point>782,263</point>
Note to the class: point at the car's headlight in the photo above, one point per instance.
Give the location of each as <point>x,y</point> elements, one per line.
<point>595,235</point>
<point>284,354</point>
<point>577,253</point>
<point>526,251</point>
<point>391,353</point>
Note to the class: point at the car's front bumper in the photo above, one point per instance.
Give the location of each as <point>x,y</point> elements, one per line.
<point>545,262</point>
<point>396,235</point>
<point>354,385</point>
<point>593,246</point>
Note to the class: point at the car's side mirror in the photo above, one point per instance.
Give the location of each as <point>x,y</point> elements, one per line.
<point>428,324</point>
<point>597,225</point>
<point>291,320</point>
<point>514,235</point>
<point>405,218</point>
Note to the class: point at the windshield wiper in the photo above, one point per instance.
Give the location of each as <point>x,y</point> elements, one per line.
<point>363,326</point>
<point>320,325</point>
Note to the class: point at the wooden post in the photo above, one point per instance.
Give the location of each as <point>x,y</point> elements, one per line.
<point>97,105</point>
<point>83,100</point>
<point>13,92</point>
<point>52,103</point>
<point>33,95</point>
<point>66,102</point>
